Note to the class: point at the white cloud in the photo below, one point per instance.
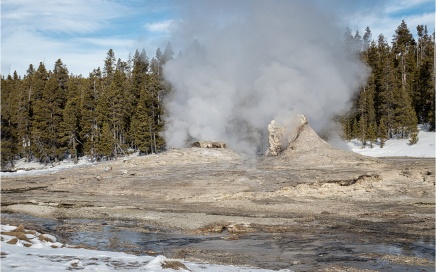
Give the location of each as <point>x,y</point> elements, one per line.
<point>162,26</point>
<point>81,56</point>
<point>405,5</point>
<point>80,32</point>
<point>387,17</point>
<point>67,16</point>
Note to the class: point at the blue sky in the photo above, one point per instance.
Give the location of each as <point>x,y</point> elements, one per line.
<point>80,32</point>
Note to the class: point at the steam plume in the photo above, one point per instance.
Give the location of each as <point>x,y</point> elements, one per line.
<point>244,65</point>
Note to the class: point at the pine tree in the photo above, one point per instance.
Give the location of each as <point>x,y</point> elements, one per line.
<point>371,134</point>
<point>346,123</point>
<point>8,131</point>
<point>39,129</point>
<point>24,113</point>
<point>70,126</point>
<point>157,90</point>
<point>403,46</point>
<point>382,133</point>
<point>362,126</point>
<point>366,39</point>
<point>168,54</point>
<point>387,88</point>
<point>155,66</point>
<point>142,124</point>
<point>413,139</point>
<point>48,112</point>
<point>113,109</point>
<point>157,63</point>
<point>89,118</point>
<point>425,85</point>
<point>109,66</point>
<point>370,113</point>
<point>139,83</point>
<point>105,145</point>
<point>139,74</point>
<point>18,107</point>
<point>355,128</point>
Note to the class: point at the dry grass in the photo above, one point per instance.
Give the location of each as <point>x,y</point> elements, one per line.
<point>44,238</point>
<point>20,228</point>
<point>13,241</point>
<point>407,260</point>
<point>19,233</point>
<point>173,264</point>
<point>27,244</point>
<point>216,227</point>
<point>336,268</point>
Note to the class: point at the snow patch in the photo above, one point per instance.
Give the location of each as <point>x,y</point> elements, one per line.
<point>53,257</point>
<point>425,148</point>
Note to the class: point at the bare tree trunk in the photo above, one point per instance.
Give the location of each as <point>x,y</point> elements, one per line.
<point>75,150</point>
<point>151,141</point>
<point>115,144</point>
<point>154,140</point>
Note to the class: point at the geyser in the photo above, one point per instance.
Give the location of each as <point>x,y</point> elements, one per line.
<point>245,63</point>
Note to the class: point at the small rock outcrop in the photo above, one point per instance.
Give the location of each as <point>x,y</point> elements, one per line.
<point>275,135</point>
<point>279,137</point>
<point>207,144</point>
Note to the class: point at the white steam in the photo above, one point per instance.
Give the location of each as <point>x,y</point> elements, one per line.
<point>245,65</point>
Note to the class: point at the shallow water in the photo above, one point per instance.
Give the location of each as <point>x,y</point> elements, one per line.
<point>266,250</point>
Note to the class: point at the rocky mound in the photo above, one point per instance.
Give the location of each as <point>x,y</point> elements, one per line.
<point>208,144</point>
<point>193,156</point>
<point>310,150</point>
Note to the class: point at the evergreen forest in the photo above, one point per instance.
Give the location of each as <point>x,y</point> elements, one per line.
<point>50,115</point>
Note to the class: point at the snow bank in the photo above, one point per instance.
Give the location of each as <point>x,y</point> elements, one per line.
<point>400,147</point>
<point>22,167</point>
<point>41,252</point>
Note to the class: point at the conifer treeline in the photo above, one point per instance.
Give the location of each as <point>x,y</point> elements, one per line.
<point>400,90</point>
<point>48,115</point>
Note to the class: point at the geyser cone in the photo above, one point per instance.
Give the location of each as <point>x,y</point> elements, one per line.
<point>310,150</point>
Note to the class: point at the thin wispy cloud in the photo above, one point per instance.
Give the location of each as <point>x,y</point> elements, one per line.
<point>70,16</point>
<point>387,16</point>
<point>161,27</point>
<point>80,32</point>
<point>406,6</point>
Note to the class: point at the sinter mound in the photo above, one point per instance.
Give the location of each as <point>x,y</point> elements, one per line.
<point>310,150</point>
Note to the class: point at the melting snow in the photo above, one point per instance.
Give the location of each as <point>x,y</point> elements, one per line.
<point>400,147</point>
<point>41,254</point>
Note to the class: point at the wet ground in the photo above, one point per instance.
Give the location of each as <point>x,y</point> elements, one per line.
<point>315,249</point>
<point>215,206</point>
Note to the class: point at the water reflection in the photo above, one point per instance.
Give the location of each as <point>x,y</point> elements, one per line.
<point>267,250</point>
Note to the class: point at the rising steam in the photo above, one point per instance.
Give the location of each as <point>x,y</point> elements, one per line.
<point>244,65</point>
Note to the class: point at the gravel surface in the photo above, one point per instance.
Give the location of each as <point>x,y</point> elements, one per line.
<point>309,188</point>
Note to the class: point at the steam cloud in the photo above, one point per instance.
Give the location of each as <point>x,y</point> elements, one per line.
<point>245,65</point>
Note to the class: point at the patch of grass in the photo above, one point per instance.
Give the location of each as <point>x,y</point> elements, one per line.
<point>13,241</point>
<point>27,244</point>
<point>173,264</point>
<point>44,238</point>
<point>20,228</point>
<point>19,235</point>
<point>31,232</point>
<point>216,227</point>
